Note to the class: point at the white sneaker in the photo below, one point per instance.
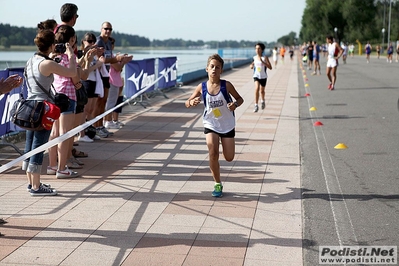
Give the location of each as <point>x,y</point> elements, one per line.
<point>119,123</point>
<point>100,133</point>
<point>104,131</point>
<point>73,165</point>
<point>96,137</point>
<point>111,125</point>
<point>85,139</point>
<point>66,174</point>
<point>76,160</point>
<point>51,170</point>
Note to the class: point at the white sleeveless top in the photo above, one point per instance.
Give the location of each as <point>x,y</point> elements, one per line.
<point>259,69</point>
<point>331,50</point>
<point>217,116</point>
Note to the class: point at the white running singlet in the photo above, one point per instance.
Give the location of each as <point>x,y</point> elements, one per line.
<point>259,69</point>
<point>331,62</point>
<point>217,116</point>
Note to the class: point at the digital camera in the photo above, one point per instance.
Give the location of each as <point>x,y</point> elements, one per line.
<point>60,48</point>
<point>80,53</point>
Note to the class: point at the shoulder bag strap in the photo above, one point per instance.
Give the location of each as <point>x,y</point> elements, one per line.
<point>38,84</point>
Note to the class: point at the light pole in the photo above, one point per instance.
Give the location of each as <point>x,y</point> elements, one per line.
<point>383,38</point>
<point>389,22</point>
<point>336,36</point>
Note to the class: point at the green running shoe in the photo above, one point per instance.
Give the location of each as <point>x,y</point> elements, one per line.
<point>218,190</point>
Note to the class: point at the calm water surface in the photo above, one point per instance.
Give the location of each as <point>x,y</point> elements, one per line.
<point>188,60</point>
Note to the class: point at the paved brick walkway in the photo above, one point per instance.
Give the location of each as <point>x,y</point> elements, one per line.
<point>145,194</point>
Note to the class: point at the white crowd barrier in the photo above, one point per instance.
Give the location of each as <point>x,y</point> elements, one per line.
<point>74,131</point>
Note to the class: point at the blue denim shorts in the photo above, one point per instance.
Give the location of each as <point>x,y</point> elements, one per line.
<point>72,107</point>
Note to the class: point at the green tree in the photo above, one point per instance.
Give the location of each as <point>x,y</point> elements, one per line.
<point>288,40</point>
<point>12,35</point>
<point>5,42</point>
<point>354,19</point>
<point>125,43</point>
<point>360,18</point>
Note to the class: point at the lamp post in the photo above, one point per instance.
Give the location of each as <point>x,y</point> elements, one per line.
<point>389,22</point>
<point>336,36</point>
<point>383,38</point>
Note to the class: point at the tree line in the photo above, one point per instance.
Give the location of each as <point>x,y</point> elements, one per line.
<point>362,20</point>
<point>22,36</point>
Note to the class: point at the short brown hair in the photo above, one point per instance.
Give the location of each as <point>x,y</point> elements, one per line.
<point>68,11</point>
<point>215,57</point>
<point>49,24</point>
<point>64,34</point>
<point>44,39</point>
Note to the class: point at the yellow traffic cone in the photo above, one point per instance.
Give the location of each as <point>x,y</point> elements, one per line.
<point>340,146</point>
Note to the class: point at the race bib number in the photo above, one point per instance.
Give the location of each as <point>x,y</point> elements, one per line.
<point>217,113</point>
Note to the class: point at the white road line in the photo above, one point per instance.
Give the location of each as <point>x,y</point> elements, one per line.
<point>342,219</point>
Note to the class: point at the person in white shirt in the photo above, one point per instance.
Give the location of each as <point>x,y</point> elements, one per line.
<point>334,53</point>
<point>260,65</point>
<point>218,117</point>
<point>275,56</point>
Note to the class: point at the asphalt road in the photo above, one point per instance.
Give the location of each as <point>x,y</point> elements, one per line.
<point>350,196</point>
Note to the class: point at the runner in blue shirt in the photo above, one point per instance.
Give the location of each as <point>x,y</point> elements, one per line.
<point>390,52</point>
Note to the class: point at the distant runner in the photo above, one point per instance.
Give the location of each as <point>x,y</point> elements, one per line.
<point>316,58</point>
<point>397,51</point>
<point>282,53</point>
<point>389,52</point>
<point>368,48</point>
<point>351,49</point>
<point>378,49</point>
<point>345,54</point>
<point>260,65</point>
<point>334,53</point>
<point>310,55</point>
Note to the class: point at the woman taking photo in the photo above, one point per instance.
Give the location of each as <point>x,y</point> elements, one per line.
<point>64,84</point>
<point>43,69</point>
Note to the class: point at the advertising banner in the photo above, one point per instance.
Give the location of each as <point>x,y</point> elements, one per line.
<point>168,69</point>
<point>7,101</point>
<point>139,75</point>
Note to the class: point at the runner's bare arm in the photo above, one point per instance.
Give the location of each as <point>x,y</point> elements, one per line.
<point>195,98</point>
<point>233,92</point>
<point>266,62</point>
<point>341,51</point>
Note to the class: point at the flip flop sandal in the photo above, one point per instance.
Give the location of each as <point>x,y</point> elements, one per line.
<point>79,154</point>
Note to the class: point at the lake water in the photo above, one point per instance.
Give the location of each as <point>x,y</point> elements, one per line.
<point>188,60</point>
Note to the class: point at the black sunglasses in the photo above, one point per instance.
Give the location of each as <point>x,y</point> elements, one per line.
<point>90,41</point>
<point>110,29</point>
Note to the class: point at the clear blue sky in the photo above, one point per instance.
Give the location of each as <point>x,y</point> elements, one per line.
<point>207,20</point>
